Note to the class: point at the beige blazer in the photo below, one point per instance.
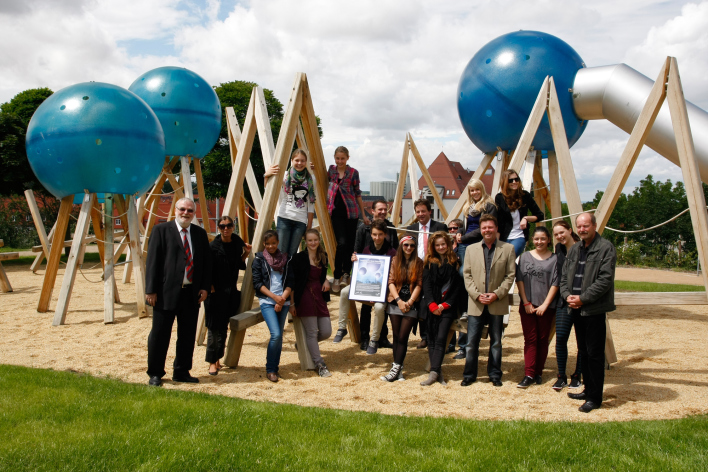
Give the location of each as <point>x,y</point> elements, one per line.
<point>501,277</point>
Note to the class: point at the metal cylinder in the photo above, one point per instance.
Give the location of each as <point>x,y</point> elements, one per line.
<point>618,93</point>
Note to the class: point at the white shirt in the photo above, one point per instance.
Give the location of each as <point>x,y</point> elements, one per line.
<point>422,248</point>
<point>516,231</point>
<point>185,280</point>
<point>288,208</point>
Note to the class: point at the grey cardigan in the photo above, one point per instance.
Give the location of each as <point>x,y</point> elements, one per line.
<point>598,290</point>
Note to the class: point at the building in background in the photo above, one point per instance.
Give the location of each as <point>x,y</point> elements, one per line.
<point>385,188</point>
<point>450,179</point>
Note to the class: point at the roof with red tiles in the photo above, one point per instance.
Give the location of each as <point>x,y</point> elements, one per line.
<point>452,176</point>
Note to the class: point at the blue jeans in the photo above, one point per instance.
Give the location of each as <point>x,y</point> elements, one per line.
<point>276,322</point>
<point>290,234</point>
<point>519,245</point>
<point>474,334</point>
<point>461,249</point>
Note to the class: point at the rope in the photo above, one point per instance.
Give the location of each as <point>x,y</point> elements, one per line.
<point>565,216</point>
<point>648,229</point>
<point>86,279</point>
<point>254,210</point>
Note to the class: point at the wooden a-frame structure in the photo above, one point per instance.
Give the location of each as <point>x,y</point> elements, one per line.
<point>410,160</point>
<point>299,124</point>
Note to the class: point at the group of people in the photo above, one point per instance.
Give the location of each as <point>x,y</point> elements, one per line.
<point>437,275</point>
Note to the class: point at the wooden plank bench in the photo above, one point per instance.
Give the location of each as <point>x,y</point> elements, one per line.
<point>6,256</point>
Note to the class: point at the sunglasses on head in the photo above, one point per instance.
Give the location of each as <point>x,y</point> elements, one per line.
<point>515,179</point>
<point>227,225</point>
<point>186,210</point>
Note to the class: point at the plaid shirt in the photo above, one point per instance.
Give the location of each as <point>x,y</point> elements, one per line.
<point>349,188</point>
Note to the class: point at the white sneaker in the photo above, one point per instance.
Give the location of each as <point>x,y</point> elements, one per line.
<point>345,279</point>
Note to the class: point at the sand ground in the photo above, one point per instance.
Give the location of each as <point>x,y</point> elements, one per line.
<point>661,372</point>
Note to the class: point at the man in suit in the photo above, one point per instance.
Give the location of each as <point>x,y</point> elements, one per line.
<point>421,231</point>
<point>177,280</point>
<point>489,271</point>
<point>588,285</point>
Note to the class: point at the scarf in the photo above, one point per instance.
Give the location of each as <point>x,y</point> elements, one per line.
<point>295,181</point>
<point>380,252</point>
<point>277,261</point>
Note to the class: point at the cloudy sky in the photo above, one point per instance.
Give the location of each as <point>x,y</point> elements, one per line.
<point>376,68</point>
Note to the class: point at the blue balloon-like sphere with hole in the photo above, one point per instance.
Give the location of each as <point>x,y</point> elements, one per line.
<point>187,107</point>
<point>95,136</point>
<point>499,86</point>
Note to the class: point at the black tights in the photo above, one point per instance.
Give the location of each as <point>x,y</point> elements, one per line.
<point>401,326</point>
<point>438,328</point>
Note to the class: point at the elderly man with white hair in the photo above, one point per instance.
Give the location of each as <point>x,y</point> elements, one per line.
<point>177,280</point>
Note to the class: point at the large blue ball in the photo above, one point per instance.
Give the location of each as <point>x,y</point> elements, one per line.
<point>500,84</point>
<point>95,136</point>
<point>187,107</point>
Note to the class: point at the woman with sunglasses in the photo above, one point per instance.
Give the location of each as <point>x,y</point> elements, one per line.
<point>405,286</point>
<point>228,253</point>
<point>514,205</point>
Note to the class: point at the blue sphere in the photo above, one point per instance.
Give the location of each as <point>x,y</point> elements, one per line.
<point>95,136</point>
<point>500,84</point>
<point>187,107</point>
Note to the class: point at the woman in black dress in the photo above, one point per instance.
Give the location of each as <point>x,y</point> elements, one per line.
<point>228,252</point>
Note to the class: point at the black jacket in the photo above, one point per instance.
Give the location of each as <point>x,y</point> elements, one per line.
<point>598,289</point>
<point>261,274</point>
<point>506,224</point>
<point>166,261</point>
<point>223,303</point>
<point>301,266</point>
<point>475,235</point>
<point>434,278</point>
<point>363,237</point>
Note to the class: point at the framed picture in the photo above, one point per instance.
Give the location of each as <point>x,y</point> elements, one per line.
<point>369,278</point>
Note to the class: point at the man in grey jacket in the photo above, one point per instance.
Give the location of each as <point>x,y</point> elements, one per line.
<point>588,285</point>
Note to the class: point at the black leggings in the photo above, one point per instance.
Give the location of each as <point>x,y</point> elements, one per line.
<point>564,322</point>
<point>438,328</point>
<point>345,234</point>
<point>401,326</point>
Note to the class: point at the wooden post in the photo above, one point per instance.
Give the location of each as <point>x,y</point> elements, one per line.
<point>242,158</point>
<point>186,177</point>
<point>527,176</point>
<point>400,186</point>
<point>353,323</point>
<point>67,285</point>
<point>415,191</point>
<point>428,179</point>
<point>689,166</point>
<point>270,198</point>
<point>108,274</point>
<point>554,184</point>
<point>5,285</point>
<point>529,132</point>
<point>502,164</point>
<point>137,255</point>
<point>203,203</point>
<point>303,353</point>
<point>50,275</point>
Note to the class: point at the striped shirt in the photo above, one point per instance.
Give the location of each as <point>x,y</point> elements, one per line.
<point>580,271</point>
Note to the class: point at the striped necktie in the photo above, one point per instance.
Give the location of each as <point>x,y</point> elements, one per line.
<point>189,265</point>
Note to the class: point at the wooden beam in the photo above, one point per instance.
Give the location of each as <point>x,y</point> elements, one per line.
<point>353,323</point>
<point>400,186</point>
<point>428,179</point>
<point>37,218</point>
<point>50,274</point>
<point>241,163</point>
<point>529,132</point>
<point>303,353</point>
<point>186,177</point>
<point>137,256</point>
<point>541,193</point>
<point>270,199</point>
<point>560,143</point>
<point>527,176</point>
<point>203,202</point>
<point>689,166</point>
<point>109,284</point>
<point>156,191</point>
<point>503,160</point>
<point>67,285</point>
<point>415,191</point>
<point>634,146</point>
<point>554,185</point>
<point>7,256</point>
<point>5,285</point>
<point>316,153</point>
<point>40,257</point>
<point>478,174</point>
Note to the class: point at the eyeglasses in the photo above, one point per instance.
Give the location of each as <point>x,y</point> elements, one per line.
<point>186,210</point>
<point>409,245</point>
<point>515,179</point>
<point>228,225</point>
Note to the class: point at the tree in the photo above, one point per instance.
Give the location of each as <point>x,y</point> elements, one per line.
<point>217,164</point>
<point>15,115</point>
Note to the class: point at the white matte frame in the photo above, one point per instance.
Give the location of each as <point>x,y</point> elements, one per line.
<point>386,260</point>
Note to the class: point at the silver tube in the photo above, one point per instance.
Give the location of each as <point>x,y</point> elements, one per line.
<point>617,93</point>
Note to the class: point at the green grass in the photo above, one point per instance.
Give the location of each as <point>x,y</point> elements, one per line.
<point>628,286</point>
<point>63,421</point>
<point>12,249</point>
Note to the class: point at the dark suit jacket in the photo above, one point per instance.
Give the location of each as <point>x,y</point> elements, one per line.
<point>166,261</point>
<point>434,226</point>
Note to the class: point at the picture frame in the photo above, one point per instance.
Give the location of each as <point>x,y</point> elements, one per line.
<point>369,281</point>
